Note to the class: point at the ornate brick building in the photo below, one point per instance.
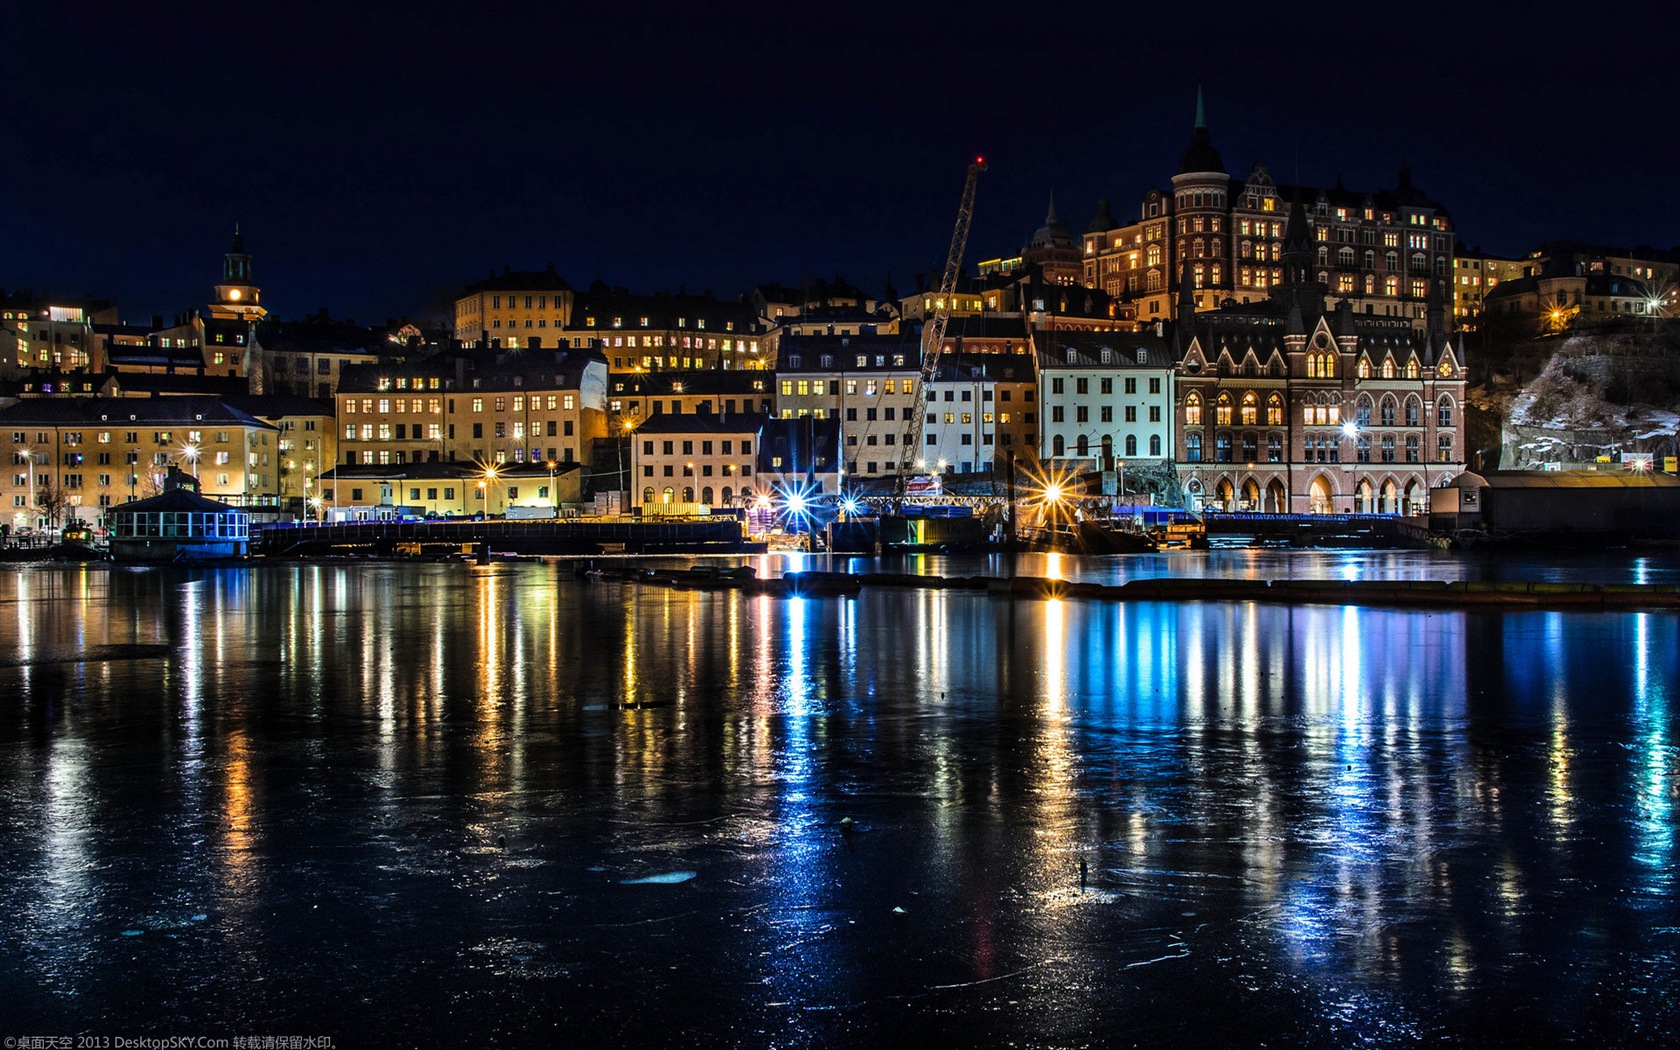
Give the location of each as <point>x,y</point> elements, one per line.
<point>1288,405</point>
<point>1385,252</point>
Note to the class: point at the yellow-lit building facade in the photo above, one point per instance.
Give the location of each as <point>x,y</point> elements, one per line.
<point>1474,275</point>
<point>448,490</point>
<point>536,407</point>
<point>515,307</point>
<point>689,461</point>
<point>103,452</point>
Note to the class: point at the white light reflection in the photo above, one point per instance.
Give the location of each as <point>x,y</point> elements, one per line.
<point>1654,809</point>
<point>1055,656</point>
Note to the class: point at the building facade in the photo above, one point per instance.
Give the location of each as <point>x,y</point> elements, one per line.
<point>476,407</point>
<point>83,455</point>
<point>1105,398</point>
<point>1385,251</point>
<point>1288,407</point>
<point>867,383</point>
<point>514,307</point>
<point>682,462</point>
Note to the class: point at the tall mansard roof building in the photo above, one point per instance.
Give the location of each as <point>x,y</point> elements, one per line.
<point>1385,252</point>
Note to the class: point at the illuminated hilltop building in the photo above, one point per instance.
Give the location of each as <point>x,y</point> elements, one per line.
<point>1383,251</point>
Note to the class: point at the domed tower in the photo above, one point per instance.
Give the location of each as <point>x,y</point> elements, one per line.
<point>1201,224</point>
<point>236,297</point>
<point>1055,251</point>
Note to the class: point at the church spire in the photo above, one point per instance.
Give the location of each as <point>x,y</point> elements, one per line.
<point>1201,113</point>
<point>1050,219</point>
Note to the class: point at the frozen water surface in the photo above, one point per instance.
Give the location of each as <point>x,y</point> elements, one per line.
<point>444,804</point>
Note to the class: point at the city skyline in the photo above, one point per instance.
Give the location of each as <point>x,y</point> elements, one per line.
<point>726,152</point>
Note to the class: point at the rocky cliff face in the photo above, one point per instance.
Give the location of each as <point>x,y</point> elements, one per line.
<point>1600,394</point>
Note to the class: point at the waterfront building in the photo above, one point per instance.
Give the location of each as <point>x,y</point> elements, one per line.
<point>680,462</point>
<point>444,489</point>
<point>1614,506</point>
<point>867,382</point>
<point>1385,251</point>
<point>178,525</point>
<point>962,433</point>
<point>1289,405</point>
<point>1106,397</point>
<point>101,452</point>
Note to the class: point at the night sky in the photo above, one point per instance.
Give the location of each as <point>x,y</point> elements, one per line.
<point>378,159</point>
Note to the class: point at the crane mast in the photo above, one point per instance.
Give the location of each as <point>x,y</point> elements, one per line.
<point>933,330</point>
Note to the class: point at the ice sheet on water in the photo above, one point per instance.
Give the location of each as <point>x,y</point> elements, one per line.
<point>665,878</point>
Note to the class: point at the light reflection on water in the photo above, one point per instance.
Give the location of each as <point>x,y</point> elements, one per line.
<point>1339,824</point>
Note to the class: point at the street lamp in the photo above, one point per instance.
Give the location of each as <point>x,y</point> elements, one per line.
<point>488,486</point>
<point>29,456</point>
<point>1350,430</point>
<point>191,452</point>
<point>553,493</point>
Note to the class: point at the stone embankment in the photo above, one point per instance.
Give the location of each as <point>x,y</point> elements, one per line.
<point>1403,593</point>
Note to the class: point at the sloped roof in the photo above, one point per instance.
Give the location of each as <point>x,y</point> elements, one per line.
<point>1088,348</point>
<point>184,411</point>
<point>521,281</point>
<point>174,501</point>
<point>702,423</point>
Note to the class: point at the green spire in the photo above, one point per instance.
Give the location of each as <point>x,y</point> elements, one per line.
<point>1201,117</point>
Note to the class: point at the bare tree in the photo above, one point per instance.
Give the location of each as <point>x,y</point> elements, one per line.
<point>53,502</point>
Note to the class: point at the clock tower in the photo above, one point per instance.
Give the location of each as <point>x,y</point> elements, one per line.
<point>236,297</point>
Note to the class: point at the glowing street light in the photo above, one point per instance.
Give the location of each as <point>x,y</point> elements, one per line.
<point>29,457</point>
<point>191,452</point>
<point>486,487</point>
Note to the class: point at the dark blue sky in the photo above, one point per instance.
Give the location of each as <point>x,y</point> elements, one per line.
<point>379,156</point>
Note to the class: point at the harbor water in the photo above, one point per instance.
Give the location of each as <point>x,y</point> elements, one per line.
<point>442,804</point>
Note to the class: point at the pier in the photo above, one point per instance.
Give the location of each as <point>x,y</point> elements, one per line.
<point>385,539</point>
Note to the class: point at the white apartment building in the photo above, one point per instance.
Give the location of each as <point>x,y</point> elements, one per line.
<point>1104,398</point>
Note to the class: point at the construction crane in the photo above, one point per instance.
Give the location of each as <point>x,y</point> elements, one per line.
<point>933,330</point>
